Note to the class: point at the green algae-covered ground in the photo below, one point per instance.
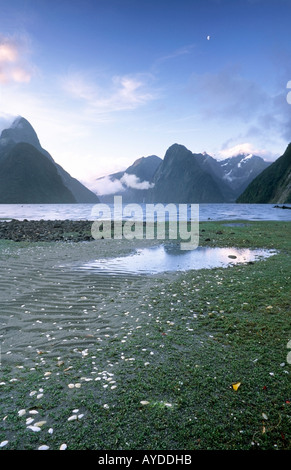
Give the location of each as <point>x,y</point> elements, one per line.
<point>200,364</point>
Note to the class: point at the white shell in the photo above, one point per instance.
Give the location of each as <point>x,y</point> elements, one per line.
<point>34,428</point>
<point>72,418</point>
<point>29,421</point>
<point>39,424</point>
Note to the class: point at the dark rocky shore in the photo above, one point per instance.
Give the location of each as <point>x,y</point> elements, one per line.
<point>46,230</point>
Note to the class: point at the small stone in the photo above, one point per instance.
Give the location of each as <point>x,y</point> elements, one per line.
<point>3,443</point>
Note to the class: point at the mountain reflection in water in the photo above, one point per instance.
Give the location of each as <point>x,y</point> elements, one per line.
<point>169,257</point>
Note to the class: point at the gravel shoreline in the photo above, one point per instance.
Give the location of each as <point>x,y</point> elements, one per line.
<point>46,230</point>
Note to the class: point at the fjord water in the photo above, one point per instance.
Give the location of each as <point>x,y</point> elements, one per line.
<point>84,212</point>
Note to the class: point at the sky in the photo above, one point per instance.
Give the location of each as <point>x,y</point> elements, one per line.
<point>104,82</point>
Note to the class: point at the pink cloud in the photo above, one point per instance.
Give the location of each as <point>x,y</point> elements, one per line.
<point>14,66</point>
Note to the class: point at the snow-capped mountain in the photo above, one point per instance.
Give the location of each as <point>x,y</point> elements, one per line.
<point>240,170</point>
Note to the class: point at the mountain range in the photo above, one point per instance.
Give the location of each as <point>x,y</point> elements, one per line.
<point>29,174</point>
<point>182,177</point>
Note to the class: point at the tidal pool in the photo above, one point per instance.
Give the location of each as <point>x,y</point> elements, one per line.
<point>169,257</point>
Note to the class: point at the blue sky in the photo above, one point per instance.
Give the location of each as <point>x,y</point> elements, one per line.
<point>104,82</point>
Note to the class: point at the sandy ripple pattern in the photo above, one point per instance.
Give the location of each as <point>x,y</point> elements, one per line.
<point>47,308</point>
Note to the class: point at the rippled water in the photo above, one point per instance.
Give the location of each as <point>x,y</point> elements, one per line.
<point>170,257</point>
<point>47,311</point>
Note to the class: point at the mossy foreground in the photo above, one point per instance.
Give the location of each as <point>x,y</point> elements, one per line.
<point>207,368</point>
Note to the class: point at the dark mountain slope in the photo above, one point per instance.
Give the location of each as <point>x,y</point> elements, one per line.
<point>21,131</point>
<point>27,176</point>
<point>181,178</point>
<point>273,185</point>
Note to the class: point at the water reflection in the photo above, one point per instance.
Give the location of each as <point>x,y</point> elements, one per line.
<point>170,257</point>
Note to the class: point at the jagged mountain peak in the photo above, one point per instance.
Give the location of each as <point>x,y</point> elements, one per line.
<point>20,131</point>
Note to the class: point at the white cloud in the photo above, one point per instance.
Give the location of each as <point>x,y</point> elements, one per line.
<point>182,51</point>
<point>5,120</point>
<point>120,92</point>
<point>79,87</point>
<point>243,148</point>
<point>104,186</point>
<point>132,181</point>
<point>130,91</point>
